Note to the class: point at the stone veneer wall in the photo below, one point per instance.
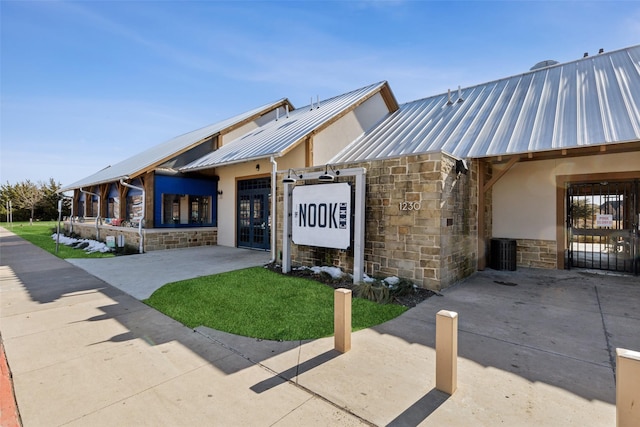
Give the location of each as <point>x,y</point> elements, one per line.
<point>432,244</point>
<point>154,239</point>
<point>536,253</point>
<point>459,224</point>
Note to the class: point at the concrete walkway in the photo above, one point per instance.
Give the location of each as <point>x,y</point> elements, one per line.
<point>535,349</point>
<point>141,275</point>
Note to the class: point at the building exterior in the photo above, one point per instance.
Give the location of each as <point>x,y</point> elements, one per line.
<point>549,159</point>
<point>213,185</point>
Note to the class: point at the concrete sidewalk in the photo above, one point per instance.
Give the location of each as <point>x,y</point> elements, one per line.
<point>141,275</point>
<point>535,349</point>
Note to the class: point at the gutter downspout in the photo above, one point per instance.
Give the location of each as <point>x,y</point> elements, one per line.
<point>274,204</point>
<point>97,216</point>
<point>144,204</point>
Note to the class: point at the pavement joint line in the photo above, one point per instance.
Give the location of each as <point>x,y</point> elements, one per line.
<point>530,347</point>
<point>291,411</point>
<point>612,360</point>
<point>293,383</point>
<point>133,394</point>
<point>298,361</point>
<point>79,356</point>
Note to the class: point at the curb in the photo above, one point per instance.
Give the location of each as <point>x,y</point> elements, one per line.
<point>9,416</point>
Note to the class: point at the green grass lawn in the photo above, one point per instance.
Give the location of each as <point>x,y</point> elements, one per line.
<point>40,235</point>
<point>260,303</point>
<point>254,302</point>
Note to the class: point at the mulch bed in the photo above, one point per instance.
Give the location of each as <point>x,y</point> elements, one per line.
<point>410,300</point>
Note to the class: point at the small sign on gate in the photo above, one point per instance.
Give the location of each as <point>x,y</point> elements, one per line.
<point>604,220</point>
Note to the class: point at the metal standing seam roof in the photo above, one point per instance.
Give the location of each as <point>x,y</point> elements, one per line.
<point>590,101</point>
<point>165,151</point>
<point>277,137</point>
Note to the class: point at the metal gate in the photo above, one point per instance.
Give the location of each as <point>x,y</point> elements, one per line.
<point>602,226</point>
<point>254,225</point>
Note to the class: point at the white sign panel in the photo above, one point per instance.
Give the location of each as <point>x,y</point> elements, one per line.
<point>604,220</point>
<point>322,215</point>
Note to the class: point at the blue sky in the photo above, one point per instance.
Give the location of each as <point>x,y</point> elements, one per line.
<point>87,84</point>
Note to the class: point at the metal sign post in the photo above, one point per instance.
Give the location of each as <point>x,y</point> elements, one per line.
<point>59,219</point>
<point>358,226</point>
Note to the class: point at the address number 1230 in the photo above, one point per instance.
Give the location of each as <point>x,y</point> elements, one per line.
<point>410,206</point>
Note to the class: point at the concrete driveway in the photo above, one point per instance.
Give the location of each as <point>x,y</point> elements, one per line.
<point>140,275</point>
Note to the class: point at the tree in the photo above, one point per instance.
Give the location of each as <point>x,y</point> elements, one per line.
<point>581,209</point>
<point>47,208</point>
<point>27,195</point>
<point>35,201</point>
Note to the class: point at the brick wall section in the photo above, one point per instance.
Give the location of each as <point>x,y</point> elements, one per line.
<point>536,253</point>
<point>154,239</point>
<point>160,239</point>
<point>420,222</point>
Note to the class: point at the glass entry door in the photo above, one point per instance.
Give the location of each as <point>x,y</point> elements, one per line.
<point>254,225</point>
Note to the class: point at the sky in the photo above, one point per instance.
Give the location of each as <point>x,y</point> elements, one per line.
<point>87,84</point>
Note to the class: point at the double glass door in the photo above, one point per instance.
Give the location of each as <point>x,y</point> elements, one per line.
<point>254,225</point>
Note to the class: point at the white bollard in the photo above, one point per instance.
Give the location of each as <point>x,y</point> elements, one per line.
<point>342,320</point>
<point>447,351</point>
<point>627,388</point>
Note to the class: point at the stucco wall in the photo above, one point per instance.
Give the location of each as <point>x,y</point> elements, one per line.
<point>338,135</point>
<point>247,127</point>
<point>229,175</point>
<point>227,201</point>
<point>524,199</point>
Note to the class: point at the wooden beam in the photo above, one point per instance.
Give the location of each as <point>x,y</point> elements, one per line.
<point>482,246</point>
<point>561,211</point>
<point>499,174</point>
<point>308,155</point>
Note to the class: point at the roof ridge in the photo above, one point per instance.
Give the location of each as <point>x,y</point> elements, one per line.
<point>539,70</point>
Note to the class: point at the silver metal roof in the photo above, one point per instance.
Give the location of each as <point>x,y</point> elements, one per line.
<point>591,101</point>
<point>277,137</point>
<point>165,151</point>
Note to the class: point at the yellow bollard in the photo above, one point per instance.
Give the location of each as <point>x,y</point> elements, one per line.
<point>342,320</point>
<point>447,351</point>
<point>627,388</point>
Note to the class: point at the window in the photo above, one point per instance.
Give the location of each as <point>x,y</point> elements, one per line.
<point>200,210</point>
<point>113,207</point>
<point>170,209</point>
<point>134,207</point>
<point>113,202</point>
<point>186,209</point>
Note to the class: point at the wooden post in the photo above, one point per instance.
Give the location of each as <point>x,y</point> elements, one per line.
<point>627,388</point>
<point>447,351</point>
<point>342,320</point>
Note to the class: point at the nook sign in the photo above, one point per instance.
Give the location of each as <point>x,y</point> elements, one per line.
<point>322,215</point>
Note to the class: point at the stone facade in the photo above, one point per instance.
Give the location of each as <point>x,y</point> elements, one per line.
<point>154,239</point>
<point>536,253</point>
<point>420,225</point>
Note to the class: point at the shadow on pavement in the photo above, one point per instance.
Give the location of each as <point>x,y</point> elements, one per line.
<point>420,411</point>
<point>294,371</point>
